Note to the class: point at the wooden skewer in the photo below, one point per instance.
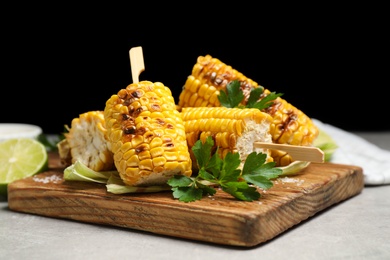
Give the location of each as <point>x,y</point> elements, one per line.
<point>136,62</point>
<point>298,153</point>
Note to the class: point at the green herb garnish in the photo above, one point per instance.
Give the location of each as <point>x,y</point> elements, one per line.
<point>233,97</point>
<point>224,173</point>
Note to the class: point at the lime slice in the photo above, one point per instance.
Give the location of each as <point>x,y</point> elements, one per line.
<point>20,158</point>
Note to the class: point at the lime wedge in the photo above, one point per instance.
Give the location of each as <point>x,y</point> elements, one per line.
<point>294,167</point>
<point>326,143</point>
<point>20,158</point>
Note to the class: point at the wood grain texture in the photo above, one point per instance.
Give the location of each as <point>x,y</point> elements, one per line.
<point>220,219</point>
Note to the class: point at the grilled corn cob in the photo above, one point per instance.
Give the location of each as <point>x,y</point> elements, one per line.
<point>86,141</point>
<point>233,129</point>
<point>147,134</point>
<point>210,76</point>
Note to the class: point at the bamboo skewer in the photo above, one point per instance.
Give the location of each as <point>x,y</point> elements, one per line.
<point>136,63</point>
<point>298,153</point>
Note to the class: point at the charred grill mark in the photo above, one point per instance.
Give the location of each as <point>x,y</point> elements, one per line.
<point>273,108</point>
<point>141,148</point>
<point>155,107</point>
<point>128,127</point>
<point>160,121</point>
<point>128,101</point>
<point>127,121</point>
<point>202,61</point>
<point>129,96</point>
<point>288,124</point>
<point>137,94</point>
<point>208,66</point>
<point>126,117</point>
<point>129,130</point>
<point>166,139</point>
<point>220,82</point>
<point>227,76</point>
<point>150,135</point>
<point>213,79</point>
<point>246,88</point>
<point>135,112</point>
<point>141,131</point>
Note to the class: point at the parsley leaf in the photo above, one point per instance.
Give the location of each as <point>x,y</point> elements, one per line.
<point>241,191</point>
<point>234,96</point>
<point>224,173</point>
<point>266,101</point>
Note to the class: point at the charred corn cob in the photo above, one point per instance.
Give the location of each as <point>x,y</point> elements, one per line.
<point>210,76</point>
<point>233,129</point>
<point>86,141</point>
<point>147,134</point>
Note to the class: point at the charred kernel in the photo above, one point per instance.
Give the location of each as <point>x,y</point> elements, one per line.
<point>141,131</point>
<point>136,112</point>
<point>128,101</point>
<point>214,79</point>
<point>160,121</point>
<point>148,135</point>
<point>155,107</point>
<point>129,130</point>
<point>141,148</point>
<point>166,139</point>
<point>126,117</point>
<point>137,94</point>
<point>122,93</point>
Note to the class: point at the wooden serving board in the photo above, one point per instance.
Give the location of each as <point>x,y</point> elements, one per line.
<point>220,219</point>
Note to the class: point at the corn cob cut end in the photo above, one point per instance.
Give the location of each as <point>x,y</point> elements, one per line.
<point>64,152</point>
<point>87,142</point>
<point>233,130</point>
<point>147,134</point>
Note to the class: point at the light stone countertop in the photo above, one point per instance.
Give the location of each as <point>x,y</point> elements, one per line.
<point>357,228</point>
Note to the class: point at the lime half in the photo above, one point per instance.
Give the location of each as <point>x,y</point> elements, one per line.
<point>20,158</point>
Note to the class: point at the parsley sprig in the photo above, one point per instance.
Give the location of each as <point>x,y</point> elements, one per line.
<point>233,97</point>
<point>224,173</point>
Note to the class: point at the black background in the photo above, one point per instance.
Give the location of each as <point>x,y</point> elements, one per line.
<point>332,71</point>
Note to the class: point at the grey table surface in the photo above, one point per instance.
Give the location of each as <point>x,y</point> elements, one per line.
<point>357,228</point>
